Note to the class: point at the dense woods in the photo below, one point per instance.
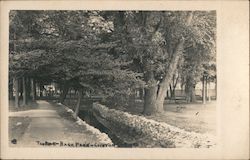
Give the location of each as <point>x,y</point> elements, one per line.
<point>112,54</point>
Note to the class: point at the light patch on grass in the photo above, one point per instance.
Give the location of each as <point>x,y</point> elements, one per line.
<point>17,127</point>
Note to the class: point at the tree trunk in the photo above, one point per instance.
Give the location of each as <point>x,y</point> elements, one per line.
<point>150,100</point>
<point>11,85</point>
<point>78,103</point>
<point>208,92</point>
<point>203,91</point>
<point>64,93</point>
<point>169,75</point>
<point>157,94</point>
<point>193,98</point>
<point>172,91</point>
<point>150,93</point>
<point>28,88</point>
<point>16,92</point>
<point>20,88</point>
<point>33,89</point>
<point>190,89</point>
<point>24,92</point>
<point>41,90</point>
<point>173,85</point>
<point>168,94</point>
<point>191,93</point>
<point>70,96</point>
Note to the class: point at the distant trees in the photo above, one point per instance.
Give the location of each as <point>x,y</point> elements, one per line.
<point>112,52</point>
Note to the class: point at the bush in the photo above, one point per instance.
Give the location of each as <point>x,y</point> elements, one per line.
<point>116,101</point>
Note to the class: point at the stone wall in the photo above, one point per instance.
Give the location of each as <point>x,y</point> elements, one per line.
<point>145,132</point>
<point>103,138</point>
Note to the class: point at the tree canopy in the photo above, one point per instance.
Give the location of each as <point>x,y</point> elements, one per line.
<point>114,51</point>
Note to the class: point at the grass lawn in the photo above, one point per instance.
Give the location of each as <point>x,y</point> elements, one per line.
<point>192,117</point>
<point>17,127</point>
<point>30,105</point>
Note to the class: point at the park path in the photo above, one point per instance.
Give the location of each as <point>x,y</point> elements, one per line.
<point>47,125</point>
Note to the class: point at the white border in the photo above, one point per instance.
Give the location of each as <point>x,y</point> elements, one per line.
<point>233,76</point>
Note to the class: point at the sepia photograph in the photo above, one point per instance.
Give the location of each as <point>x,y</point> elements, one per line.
<point>112,79</point>
<point>147,80</point>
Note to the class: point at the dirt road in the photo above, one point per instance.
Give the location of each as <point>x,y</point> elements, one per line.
<point>48,128</point>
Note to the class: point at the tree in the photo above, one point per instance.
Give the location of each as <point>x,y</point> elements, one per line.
<point>69,47</point>
<point>174,83</point>
<point>156,41</point>
<point>209,75</point>
<point>109,52</point>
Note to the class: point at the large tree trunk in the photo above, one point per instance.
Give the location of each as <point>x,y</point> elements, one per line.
<point>16,92</point>
<point>155,101</point>
<point>78,103</point>
<point>169,75</point>
<point>33,89</point>
<point>190,92</point>
<point>150,101</point>
<point>24,92</point>
<point>64,93</point>
<point>171,69</point>
<point>150,93</point>
<point>190,89</point>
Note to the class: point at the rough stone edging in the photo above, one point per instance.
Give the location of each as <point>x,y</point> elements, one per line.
<point>165,132</point>
<point>103,136</point>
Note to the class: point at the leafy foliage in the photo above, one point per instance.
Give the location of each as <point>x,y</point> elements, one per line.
<point>149,38</point>
<point>109,52</point>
